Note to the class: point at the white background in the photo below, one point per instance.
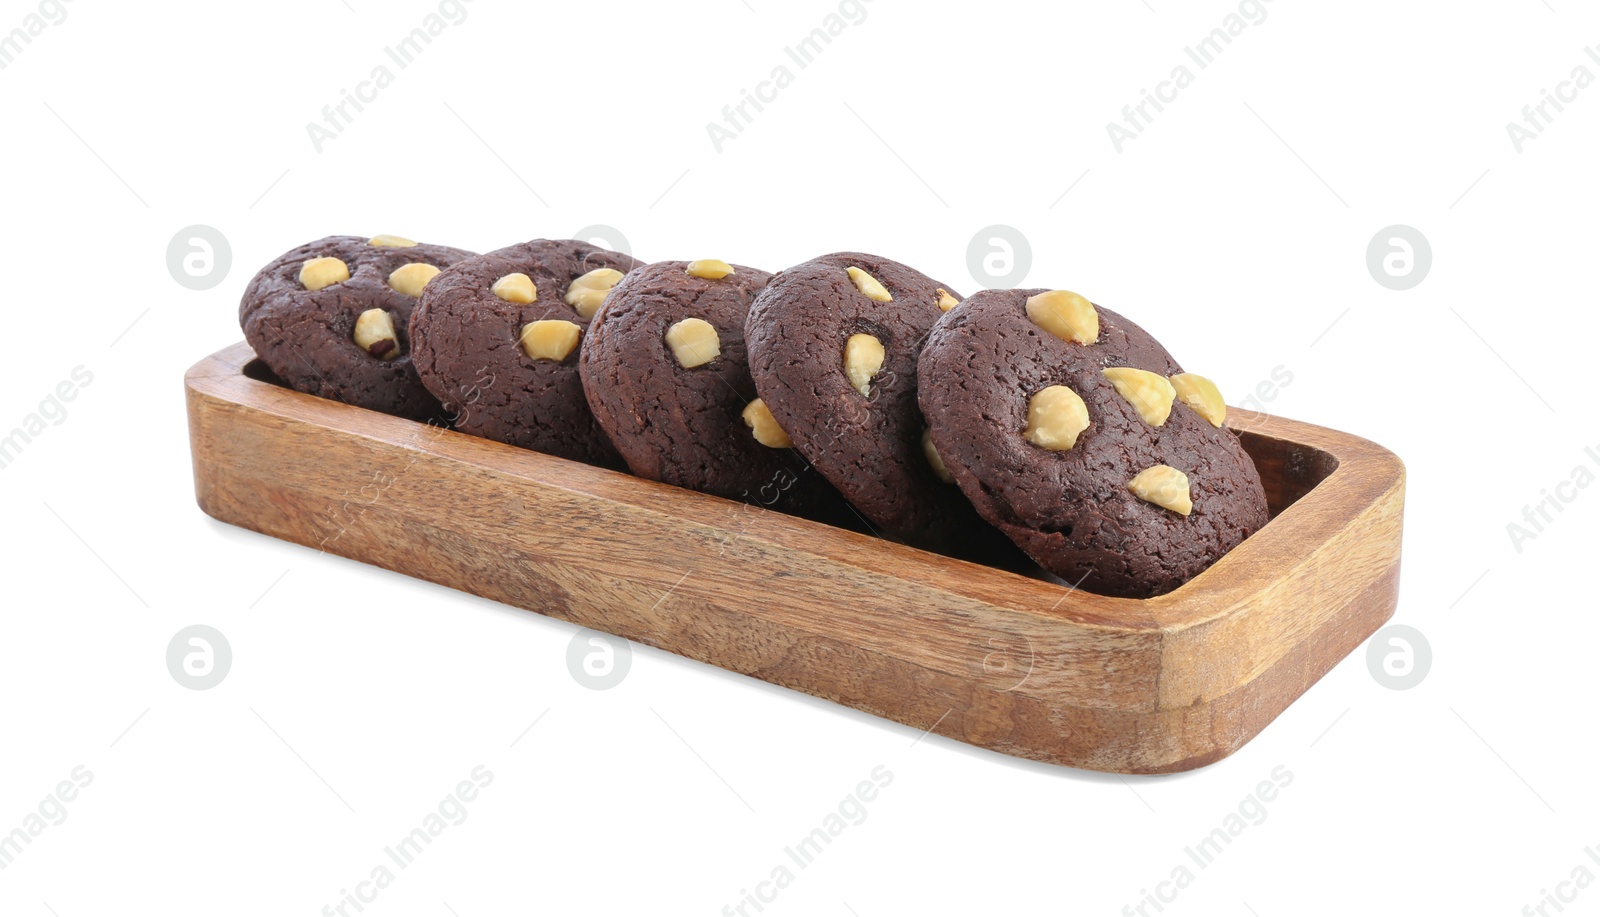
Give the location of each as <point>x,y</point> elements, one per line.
<point>1235,227</point>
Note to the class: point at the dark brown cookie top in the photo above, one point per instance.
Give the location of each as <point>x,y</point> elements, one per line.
<point>1073,507</point>
<point>496,340</point>
<point>666,374</point>
<point>303,320</point>
<point>869,445</point>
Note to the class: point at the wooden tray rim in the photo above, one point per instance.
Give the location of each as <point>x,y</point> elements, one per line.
<point>1366,473</point>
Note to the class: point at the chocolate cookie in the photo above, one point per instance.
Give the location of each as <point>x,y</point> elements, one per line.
<point>329,318</point>
<point>833,349</point>
<point>496,340</point>
<point>1078,435</point>
<point>665,372</point>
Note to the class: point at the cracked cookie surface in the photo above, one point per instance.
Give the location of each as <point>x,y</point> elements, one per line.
<point>301,315</point>
<point>833,347</point>
<point>1134,496</point>
<point>666,374</point>
<point>497,338</point>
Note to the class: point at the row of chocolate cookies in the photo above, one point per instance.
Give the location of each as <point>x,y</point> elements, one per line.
<point>489,344</point>
<point>943,422</point>
<point>517,346</point>
<point>437,334</point>
<point>513,346</point>
<point>783,391</point>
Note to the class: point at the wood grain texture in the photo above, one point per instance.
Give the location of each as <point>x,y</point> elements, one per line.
<point>1021,666</point>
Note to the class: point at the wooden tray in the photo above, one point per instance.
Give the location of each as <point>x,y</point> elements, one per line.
<point>1017,665</point>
